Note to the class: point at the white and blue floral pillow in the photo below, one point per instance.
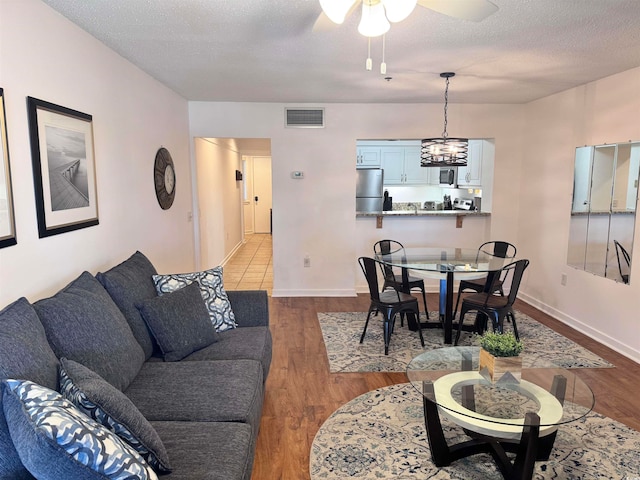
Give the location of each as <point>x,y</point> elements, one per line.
<point>54,440</point>
<point>108,406</point>
<point>211,289</point>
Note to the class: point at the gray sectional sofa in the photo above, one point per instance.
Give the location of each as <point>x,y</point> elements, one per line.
<point>189,394</point>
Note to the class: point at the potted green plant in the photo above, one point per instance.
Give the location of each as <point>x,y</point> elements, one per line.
<point>499,355</point>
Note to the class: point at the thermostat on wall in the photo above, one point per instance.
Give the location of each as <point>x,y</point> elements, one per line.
<point>297,175</point>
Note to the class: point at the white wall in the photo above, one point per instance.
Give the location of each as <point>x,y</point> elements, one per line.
<point>219,199</point>
<point>43,55</point>
<point>316,216</point>
<point>601,112</point>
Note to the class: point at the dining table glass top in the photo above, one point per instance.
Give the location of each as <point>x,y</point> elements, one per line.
<point>444,260</point>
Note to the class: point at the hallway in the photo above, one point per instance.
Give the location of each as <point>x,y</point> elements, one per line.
<point>251,267</point>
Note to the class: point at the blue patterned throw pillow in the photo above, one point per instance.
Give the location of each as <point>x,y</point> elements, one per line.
<point>56,441</point>
<point>211,289</point>
<point>108,406</point>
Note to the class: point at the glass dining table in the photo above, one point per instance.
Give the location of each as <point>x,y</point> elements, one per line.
<point>445,264</point>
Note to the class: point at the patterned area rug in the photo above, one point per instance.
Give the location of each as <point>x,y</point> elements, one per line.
<point>341,333</point>
<point>381,435</point>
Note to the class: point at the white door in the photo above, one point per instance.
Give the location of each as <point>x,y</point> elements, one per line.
<point>262,194</point>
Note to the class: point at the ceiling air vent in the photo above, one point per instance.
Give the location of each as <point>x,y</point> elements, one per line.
<point>304,118</point>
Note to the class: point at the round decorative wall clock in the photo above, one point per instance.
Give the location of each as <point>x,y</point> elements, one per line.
<point>164,178</point>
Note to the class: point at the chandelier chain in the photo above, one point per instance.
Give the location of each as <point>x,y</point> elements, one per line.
<point>446,103</point>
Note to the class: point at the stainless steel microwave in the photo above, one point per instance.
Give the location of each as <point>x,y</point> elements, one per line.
<point>448,176</point>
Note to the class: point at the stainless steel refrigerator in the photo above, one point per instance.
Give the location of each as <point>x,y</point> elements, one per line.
<point>369,186</point>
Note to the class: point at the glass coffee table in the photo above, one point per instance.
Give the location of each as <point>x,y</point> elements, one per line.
<point>507,416</point>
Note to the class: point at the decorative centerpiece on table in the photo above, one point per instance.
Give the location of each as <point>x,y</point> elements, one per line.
<point>500,357</point>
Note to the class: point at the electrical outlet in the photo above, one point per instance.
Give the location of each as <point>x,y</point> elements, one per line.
<point>307,261</point>
<point>563,279</point>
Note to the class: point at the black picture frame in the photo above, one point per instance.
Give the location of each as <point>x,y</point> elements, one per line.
<point>64,174</point>
<point>7,214</point>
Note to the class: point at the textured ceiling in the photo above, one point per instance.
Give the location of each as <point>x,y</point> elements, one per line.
<point>267,51</point>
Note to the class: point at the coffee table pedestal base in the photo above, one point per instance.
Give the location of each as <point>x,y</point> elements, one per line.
<point>529,449</point>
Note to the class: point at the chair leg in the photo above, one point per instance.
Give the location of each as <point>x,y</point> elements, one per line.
<point>388,327</point>
<point>513,322</point>
<point>366,324</point>
<point>420,328</point>
<point>424,300</point>
<point>460,320</point>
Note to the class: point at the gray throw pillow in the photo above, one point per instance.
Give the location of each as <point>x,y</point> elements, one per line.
<point>83,324</point>
<point>179,322</point>
<point>211,288</point>
<point>55,441</point>
<point>24,353</point>
<point>129,284</point>
<point>108,406</point>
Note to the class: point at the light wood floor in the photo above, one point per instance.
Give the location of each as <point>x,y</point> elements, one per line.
<point>251,267</point>
<point>301,393</point>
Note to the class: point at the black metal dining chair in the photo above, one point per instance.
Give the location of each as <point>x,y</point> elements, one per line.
<point>494,307</point>
<point>389,303</point>
<point>393,279</point>
<point>493,248</point>
<point>622,252</point>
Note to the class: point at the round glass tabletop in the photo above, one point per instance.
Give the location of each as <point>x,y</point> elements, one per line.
<point>444,260</point>
<point>450,378</point>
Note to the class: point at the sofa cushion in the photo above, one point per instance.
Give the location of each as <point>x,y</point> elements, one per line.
<point>129,284</point>
<point>192,446</point>
<point>24,353</point>
<point>252,343</point>
<point>212,289</point>
<point>108,406</point>
<point>56,441</point>
<point>214,391</point>
<point>179,322</point>
<point>83,324</point>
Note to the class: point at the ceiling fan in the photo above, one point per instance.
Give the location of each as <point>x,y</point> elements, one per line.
<point>376,14</point>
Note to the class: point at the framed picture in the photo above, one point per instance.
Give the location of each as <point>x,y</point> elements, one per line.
<point>7,220</point>
<point>64,174</point>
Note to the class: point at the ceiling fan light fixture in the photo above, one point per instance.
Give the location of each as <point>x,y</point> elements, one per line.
<point>374,21</point>
<point>398,10</point>
<point>444,151</point>
<point>336,10</point>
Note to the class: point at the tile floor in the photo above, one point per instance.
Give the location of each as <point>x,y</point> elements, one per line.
<point>251,267</point>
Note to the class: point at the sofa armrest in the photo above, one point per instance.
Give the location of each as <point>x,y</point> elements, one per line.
<point>250,307</point>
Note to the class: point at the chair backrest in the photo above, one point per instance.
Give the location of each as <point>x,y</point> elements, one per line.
<point>620,250</point>
<point>517,269</point>
<point>387,247</point>
<point>368,266</point>
<point>497,248</point>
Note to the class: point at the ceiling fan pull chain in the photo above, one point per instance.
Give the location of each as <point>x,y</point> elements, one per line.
<point>369,63</point>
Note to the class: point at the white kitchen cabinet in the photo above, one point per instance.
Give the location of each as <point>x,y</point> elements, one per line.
<point>368,157</point>
<point>471,175</point>
<point>401,165</point>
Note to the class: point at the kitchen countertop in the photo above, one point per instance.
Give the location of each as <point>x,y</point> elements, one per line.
<point>422,213</point>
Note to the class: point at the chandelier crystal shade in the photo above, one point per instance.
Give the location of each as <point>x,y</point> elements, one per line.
<point>444,151</point>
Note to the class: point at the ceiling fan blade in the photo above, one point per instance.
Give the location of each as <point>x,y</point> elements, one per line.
<point>323,23</point>
<point>473,10</point>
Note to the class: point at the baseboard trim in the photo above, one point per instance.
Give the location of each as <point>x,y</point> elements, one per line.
<point>313,293</point>
<point>581,327</point>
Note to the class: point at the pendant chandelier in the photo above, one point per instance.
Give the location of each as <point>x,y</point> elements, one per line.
<point>444,151</point>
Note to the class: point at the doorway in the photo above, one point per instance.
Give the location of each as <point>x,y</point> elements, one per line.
<point>262,196</point>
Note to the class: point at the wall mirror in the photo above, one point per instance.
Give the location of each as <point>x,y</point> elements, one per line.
<point>603,211</point>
